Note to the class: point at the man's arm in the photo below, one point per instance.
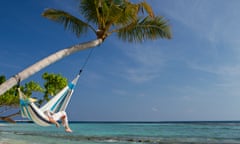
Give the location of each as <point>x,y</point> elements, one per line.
<point>50,118</point>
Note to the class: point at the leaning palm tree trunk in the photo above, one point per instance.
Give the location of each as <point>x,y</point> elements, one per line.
<point>46,62</point>
<point>9,117</point>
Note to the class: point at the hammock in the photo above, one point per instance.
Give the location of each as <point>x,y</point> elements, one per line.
<point>58,103</point>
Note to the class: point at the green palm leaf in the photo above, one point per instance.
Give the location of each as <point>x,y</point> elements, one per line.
<point>89,10</point>
<point>147,28</point>
<point>70,22</point>
<point>101,12</point>
<point>145,6</point>
<point>110,16</point>
<point>128,15</point>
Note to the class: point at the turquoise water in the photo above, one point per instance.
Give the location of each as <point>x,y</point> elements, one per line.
<point>123,133</point>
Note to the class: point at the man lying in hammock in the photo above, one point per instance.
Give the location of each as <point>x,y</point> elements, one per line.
<point>54,117</point>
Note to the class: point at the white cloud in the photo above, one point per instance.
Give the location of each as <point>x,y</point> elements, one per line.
<point>154,109</point>
<point>120,92</point>
<point>216,23</point>
<point>225,71</point>
<point>147,62</point>
<point>227,78</point>
<point>139,75</point>
<point>216,20</point>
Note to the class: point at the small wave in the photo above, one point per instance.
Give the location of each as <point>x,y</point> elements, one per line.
<point>132,139</point>
<point>4,143</point>
<point>121,139</point>
<point>96,138</point>
<point>111,140</point>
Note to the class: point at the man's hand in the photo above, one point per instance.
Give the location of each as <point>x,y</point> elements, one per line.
<point>54,122</point>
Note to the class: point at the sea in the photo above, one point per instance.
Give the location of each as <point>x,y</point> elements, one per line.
<point>123,133</point>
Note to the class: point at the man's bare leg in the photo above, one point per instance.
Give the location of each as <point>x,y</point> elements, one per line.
<point>65,124</point>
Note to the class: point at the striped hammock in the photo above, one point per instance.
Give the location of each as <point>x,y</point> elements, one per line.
<point>58,103</point>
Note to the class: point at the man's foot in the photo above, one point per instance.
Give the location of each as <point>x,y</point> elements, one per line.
<point>68,130</point>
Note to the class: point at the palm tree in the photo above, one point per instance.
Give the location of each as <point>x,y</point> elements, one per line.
<point>131,22</point>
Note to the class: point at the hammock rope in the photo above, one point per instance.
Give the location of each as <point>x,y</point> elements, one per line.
<point>86,60</point>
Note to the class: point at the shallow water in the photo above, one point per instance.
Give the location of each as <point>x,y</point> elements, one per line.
<point>123,133</point>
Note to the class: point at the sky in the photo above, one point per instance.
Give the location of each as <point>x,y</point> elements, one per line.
<point>192,77</point>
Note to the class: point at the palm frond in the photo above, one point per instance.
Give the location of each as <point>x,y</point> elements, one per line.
<point>69,21</point>
<point>110,16</point>
<point>147,28</point>
<point>89,9</point>
<point>144,5</point>
<point>114,14</point>
<point>129,13</point>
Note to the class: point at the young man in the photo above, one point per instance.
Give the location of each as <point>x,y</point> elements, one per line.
<point>54,117</point>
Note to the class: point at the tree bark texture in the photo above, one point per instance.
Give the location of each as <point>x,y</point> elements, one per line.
<point>46,62</point>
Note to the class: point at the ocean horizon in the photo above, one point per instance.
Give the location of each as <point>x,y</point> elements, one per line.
<point>185,121</point>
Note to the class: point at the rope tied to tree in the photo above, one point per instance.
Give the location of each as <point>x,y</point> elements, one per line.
<point>86,61</point>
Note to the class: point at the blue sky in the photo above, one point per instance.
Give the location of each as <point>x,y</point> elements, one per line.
<point>194,76</point>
